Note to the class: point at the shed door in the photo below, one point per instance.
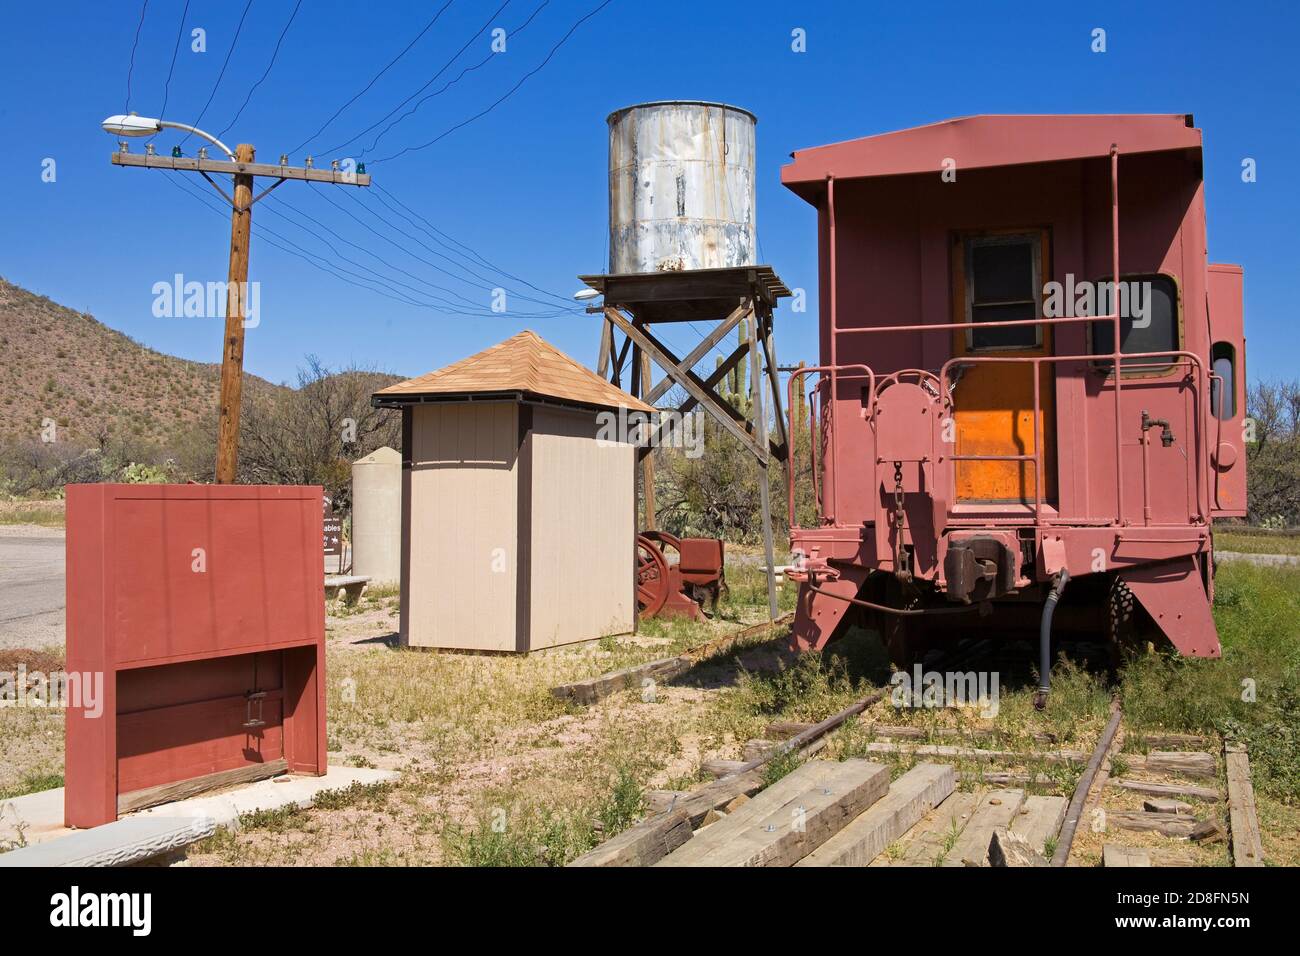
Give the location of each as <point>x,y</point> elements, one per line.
<point>998,277</point>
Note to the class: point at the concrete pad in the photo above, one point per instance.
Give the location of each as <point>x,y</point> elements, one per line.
<point>40,815</point>
<point>114,844</point>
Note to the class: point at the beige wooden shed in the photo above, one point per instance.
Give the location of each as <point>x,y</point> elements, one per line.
<point>518,514</point>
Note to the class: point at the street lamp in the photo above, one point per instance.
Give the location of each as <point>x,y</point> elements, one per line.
<point>132,125</point>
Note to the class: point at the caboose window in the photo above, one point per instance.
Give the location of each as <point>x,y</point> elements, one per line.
<point>1148,306</point>
<point>1003,285</point>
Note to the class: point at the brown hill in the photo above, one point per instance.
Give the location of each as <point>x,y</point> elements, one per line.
<point>96,383</point>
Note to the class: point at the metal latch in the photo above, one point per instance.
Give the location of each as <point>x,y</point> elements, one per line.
<point>254,696</point>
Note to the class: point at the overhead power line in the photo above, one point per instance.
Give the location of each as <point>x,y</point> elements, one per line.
<point>433,232</point>
<point>374,79</point>
<point>130,69</point>
<point>505,96</point>
<point>274,53</point>
<point>452,82</point>
<point>224,63</point>
<point>334,150</point>
<point>167,87</point>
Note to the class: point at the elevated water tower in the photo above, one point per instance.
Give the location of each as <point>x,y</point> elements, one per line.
<point>682,241</point>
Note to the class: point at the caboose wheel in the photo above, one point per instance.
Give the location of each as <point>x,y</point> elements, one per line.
<point>1124,619</point>
<point>651,577</point>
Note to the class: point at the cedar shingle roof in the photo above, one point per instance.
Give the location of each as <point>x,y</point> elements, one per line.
<point>522,363</point>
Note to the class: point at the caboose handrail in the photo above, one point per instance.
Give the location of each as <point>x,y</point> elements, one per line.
<point>1202,481</point>
<point>834,371</point>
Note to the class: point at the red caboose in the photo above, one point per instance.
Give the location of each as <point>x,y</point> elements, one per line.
<point>980,280</point>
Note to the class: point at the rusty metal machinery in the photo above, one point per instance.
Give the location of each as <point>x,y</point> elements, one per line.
<point>682,587</point>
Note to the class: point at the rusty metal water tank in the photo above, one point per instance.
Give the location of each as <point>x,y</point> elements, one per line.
<point>681,187</point>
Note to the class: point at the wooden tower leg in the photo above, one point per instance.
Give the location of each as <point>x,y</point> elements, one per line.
<point>760,434</point>
<point>648,454</point>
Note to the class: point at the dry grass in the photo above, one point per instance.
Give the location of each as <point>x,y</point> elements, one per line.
<point>47,514</point>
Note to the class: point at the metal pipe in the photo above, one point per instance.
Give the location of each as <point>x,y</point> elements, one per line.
<point>1116,354</point>
<point>897,612</point>
<point>1045,638</point>
<point>1066,839</point>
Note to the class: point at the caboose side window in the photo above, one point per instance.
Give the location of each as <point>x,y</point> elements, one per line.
<point>1003,283</point>
<point>1149,321</point>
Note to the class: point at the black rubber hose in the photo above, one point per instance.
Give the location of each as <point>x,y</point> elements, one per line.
<point>1045,639</point>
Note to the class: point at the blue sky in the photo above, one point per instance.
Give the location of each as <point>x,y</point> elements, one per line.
<point>525,186</point>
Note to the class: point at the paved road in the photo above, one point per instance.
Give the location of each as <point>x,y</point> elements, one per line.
<point>31,587</point>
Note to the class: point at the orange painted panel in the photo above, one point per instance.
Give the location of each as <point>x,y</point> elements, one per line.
<point>993,410</point>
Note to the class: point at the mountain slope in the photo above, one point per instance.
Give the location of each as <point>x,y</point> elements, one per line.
<point>96,383</point>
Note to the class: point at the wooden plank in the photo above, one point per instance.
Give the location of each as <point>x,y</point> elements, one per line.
<point>910,798</point>
<point>999,779</point>
<point>183,789</point>
<point>1155,788</point>
<point>1112,855</point>
<point>1008,848</point>
<point>595,689</point>
<point>790,819</point>
<point>604,685</point>
<point>722,413</point>
<point>972,753</point>
<point>921,733</point>
<point>1180,762</point>
<point>722,768</point>
<point>641,844</point>
<point>657,801</point>
<point>934,835</point>
<point>695,355</point>
<point>1159,805</point>
<point>1039,820</point>
<point>1247,845</point>
<point>1174,741</point>
<point>720,793</point>
<point>1144,821</point>
<point>191,164</point>
<point>994,811</point>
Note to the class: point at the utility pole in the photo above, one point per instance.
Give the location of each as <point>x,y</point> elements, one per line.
<point>232,359</point>
<point>243,171</point>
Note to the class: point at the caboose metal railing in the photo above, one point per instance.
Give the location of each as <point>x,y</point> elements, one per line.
<point>1121,362</point>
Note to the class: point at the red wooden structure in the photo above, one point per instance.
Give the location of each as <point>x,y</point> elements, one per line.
<point>203,606</point>
<point>975,449</point>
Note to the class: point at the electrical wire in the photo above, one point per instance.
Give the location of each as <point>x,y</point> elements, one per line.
<point>335,149</point>
<point>130,69</point>
<point>167,87</point>
<point>431,230</point>
<point>491,283</point>
<point>274,53</point>
<point>450,83</point>
<point>224,63</point>
<point>505,96</point>
<point>421,259</point>
<point>375,78</point>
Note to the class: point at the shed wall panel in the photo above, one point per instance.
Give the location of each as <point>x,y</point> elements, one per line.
<point>463,531</point>
<point>583,526</point>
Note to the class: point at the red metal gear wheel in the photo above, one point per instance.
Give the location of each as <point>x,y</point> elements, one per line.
<point>651,577</point>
